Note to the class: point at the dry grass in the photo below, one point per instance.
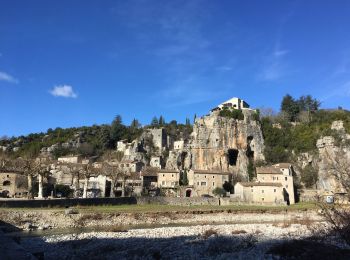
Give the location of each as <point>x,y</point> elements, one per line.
<point>89,217</point>
<point>209,232</point>
<point>118,229</point>
<point>236,232</point>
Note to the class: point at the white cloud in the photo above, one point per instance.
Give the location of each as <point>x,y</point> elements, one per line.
<point>63,91</point>
<point>8,78</point>
<point>274,66</point>
<point>224,68</point>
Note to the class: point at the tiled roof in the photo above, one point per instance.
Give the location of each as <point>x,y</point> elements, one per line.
<point>283,165</point>
<point>150,171</point>
<point>268,170</point>
<point>211,172</point>
<point>249,184</point>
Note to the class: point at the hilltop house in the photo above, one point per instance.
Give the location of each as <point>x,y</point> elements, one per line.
<point>233,103</point>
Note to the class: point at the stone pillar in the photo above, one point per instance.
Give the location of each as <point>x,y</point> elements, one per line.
<point>123,188</point>
<point>112,195</point>
<point>30,186</point>
<point>85,187</point>
<point>40,193</point>
<point>76,185</point>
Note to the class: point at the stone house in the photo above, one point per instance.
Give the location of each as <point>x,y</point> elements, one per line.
<point>156,161</point>
<point>70,159</point>
<point>130,165</point>
<point>279,173</point>
<point>149,178</point>
<point>168,178</point>
<point>179,145</point>
<point>132,185</point>
<point>260,192</point>
<point>274,184</point>
<point>203,182</point>
<point>13,185</point>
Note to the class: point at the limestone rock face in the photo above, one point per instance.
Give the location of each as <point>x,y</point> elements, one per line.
<point>219,143</point>
<point>329,154</point>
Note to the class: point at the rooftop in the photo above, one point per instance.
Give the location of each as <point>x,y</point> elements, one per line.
<point>268,170</point>
<point>211,172</point>
<point>250,184</point>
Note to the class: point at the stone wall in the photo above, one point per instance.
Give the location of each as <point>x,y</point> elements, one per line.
<point>180,201</point>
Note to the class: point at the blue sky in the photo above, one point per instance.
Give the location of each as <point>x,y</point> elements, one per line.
<point>74,63</point>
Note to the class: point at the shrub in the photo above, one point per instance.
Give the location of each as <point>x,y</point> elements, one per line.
<point>309,176</point>
<point>219,191</point>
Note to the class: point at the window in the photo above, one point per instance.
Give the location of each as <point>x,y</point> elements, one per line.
<point>163,175</point>
<point>163,182</point>
<point>274,190</point>
<point>8,176</point>
<point>198,183</point>
<point>285,178</point>
<point>262,199</point>
<point>172,183</point>
<point>127,165</point>
<point>277,178</point>
<point>203,183</point>
<point>172,175</point>
<point>213,183</point>
<point>262,191</point>
<point>213,176</point>
<point>205,176</point>
<point>286,186</point>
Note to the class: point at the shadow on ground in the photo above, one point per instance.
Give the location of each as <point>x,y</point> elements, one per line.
<point>186,247</point>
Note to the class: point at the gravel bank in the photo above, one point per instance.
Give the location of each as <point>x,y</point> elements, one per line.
<point>238,241</point>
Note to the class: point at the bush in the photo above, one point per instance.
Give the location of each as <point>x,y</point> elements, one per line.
<point>234,113</point>
<point>309,176</point>
<point>64,190</point>
<point>219,191</point>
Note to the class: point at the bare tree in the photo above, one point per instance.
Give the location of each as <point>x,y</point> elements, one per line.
<point>338,214</point>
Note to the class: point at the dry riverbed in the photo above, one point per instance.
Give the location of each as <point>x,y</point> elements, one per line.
<point>182,234</point>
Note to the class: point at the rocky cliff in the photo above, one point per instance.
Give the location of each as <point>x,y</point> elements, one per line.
<point>220,143</point>
<point>332,155</point>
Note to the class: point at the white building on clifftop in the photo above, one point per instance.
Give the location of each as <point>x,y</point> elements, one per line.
<point>234,103</point>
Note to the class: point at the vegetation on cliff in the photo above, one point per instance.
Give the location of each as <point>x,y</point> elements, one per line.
<point>297,127</point>
<point>88,140</point>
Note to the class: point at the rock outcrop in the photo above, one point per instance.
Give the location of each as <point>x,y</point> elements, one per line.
<point>220,143</point>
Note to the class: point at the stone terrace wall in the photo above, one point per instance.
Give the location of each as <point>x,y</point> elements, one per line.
<point>13,203</point>
<point>193,201</point>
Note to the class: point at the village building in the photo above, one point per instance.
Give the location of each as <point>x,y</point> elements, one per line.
<point>70,159</point>
<point>168,178</point>
<point>129,165</point>
<point>13,185</point>
<point>156,162</point>
<point>203,182</point>
<point>179,145</point>
<point>260,192</point>
<point>128,185</point>
<point>149,177</point>
<point>274,184</point>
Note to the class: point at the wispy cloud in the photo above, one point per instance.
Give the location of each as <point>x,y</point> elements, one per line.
<point>8,78</point>
<point>63,91</point>
<point>274,66</point>
<point>224,68</point>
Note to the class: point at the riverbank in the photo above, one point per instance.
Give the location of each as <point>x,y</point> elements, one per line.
<point>235,241</point>
<point>114,216</point>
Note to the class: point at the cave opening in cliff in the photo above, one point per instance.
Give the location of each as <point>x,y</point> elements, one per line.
<point>232,155</point>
